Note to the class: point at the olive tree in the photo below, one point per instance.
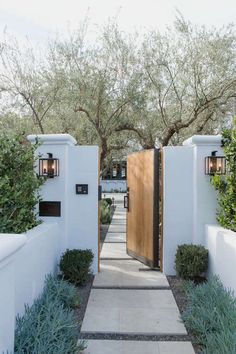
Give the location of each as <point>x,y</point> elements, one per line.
<point>101,83</point>
<point>25,81</point>
<point>190,81</point>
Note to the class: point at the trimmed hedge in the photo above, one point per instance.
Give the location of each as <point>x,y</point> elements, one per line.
<point>75,265</point>
<point>191,261</point>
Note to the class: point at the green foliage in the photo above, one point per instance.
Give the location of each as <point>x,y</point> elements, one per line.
<point>105,212</point>
<point>221,342</point>
<point>226,185</point>
<point>191,261</point>
<point>18,184</point>
<point>49,325</point>
<point>75,265</point>
<point>211,315</point>
<point>60,289</point>
<point>108,200</point>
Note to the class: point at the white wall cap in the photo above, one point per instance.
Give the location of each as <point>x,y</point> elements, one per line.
<point>53,139</point>
<point>221,229</point>
<point>203,140</point>
<point>41,228</point>
<point>10,243</point>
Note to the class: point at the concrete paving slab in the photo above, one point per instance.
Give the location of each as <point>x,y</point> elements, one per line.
<point>120,221</point>
<point>132,311</point>
<point>120,347</point>
<point>114,250</point>
<point>126,273</point>
<point>119,216</point>
<point>115,237</point>
<point>137,347</point>
<point>176,348</point>
<point>117,228</point>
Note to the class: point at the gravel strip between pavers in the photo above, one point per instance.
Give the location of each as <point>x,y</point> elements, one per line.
<point>136,337</point>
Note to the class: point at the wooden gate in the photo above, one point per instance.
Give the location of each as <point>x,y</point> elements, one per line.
<point>143,206</point>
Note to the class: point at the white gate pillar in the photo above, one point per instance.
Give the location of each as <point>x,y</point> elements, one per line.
<point>204,195</point>
<point>79,212</point>
<point>189,198</point>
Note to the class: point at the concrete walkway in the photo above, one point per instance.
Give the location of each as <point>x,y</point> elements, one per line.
<point>130,302</point>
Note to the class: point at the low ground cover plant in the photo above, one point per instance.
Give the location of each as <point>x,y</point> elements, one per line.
<point>211,316</point>
<point>50,325</point>
<point>191,261</point>
<point>75,265</point>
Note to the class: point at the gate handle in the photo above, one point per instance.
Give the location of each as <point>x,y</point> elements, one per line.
<point>126,202</point>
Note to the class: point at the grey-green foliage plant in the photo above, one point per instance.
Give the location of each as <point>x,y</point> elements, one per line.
<point>50,325</point>
<point>75,265</point>
<point>211,315</point>
<point>18,184</point>
<point>226,185</point>
<point>191,261</point>
<point>60,289</point>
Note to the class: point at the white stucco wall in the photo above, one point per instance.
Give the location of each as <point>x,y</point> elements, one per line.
<point>82,210</point>
<point>178,202</point>
<point>79,213</point>
<point>39,257</point>
<point>204,195</point>
<point>10,244</point>
<point>221,244</point>
<point>189,198</point>
<point>25,260</point>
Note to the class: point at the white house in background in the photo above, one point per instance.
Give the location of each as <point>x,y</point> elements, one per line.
<point>114,178</point>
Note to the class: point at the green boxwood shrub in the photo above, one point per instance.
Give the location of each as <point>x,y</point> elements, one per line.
<point>75,265</point>
<point>191,261</point>
<point>50,325</point>
<point>210,314</point>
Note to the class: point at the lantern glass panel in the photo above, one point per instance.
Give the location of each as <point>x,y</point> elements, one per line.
<point>48,167</point>
<point>215,165</point>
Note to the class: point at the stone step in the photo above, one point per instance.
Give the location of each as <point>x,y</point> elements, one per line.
<point>114,250</point>
<point>126,273</point>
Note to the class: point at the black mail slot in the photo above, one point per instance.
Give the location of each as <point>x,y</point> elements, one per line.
<point>81,189</point>
<point>50,208</point>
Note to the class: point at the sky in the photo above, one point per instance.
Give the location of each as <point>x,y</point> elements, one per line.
<point>39,19</point>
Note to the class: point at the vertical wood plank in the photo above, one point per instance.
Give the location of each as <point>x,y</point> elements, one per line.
<point>140,222</point>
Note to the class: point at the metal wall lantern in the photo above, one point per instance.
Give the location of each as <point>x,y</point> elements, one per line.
<point>215,164</point>
<point>49,167</point>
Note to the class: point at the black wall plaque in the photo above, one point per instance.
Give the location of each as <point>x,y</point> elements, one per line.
<point>50,209</point>
<point>81,189</point>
